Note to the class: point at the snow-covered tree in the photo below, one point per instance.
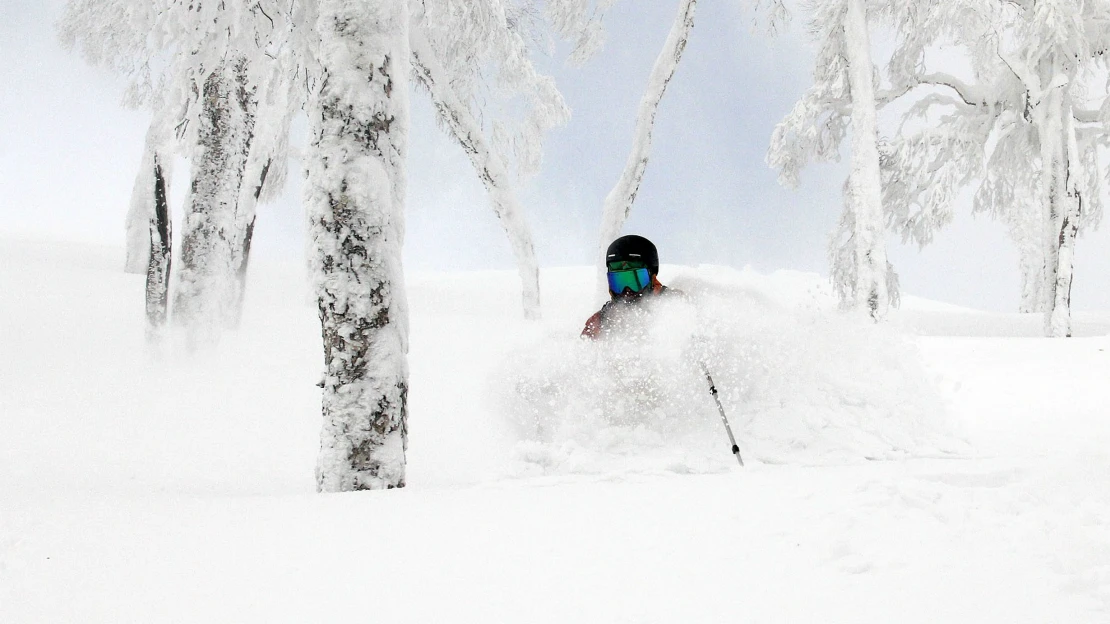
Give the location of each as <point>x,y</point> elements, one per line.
<point>473,60</point>
<point>1027,128</point>
<point>354,59</point>
<point>618,203</point>
<point>149,201</point>
<point>205,285</point>
<point>237,148</point>
<point>355,190</point>
<point>205,64</point>
<point>264,174</point>
<point>482,47</point>
<point>493,173</point>
<point>843,92</point>
<point>355,193</point>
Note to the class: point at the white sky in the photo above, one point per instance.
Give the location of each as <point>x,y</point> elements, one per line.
<point>68,155</point>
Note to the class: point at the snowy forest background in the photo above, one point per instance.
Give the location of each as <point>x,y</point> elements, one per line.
<point>1002,103</point>
<point>708,180</point>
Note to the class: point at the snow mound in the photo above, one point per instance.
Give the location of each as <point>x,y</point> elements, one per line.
<point>800,383</point>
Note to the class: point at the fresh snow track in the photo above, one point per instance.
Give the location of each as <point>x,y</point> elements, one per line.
<point>134,489</point>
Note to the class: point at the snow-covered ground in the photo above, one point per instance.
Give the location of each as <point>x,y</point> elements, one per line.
<point>950,467</point>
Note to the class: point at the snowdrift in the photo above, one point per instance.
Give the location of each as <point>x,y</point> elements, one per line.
<point>800,382</point>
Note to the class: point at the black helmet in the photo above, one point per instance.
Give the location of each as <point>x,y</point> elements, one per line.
<point>633,248</point>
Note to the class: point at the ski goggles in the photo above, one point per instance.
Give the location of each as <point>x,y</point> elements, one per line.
<point>635,280</point>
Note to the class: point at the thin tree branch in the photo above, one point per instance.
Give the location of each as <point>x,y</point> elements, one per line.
<point>259,5</point>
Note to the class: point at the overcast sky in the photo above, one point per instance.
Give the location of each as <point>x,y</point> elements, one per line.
<point>69,153</point>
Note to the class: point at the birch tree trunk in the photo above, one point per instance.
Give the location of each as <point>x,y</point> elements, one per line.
<point>355,193</point>
<point>1060,318</point>
<point>618,203</point>
<point>1060,156</point>
<point>865,180</point>
<point>206,278</point>
<point>429,72</point>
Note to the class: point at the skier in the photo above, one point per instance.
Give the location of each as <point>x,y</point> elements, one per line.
<point>633,263</point>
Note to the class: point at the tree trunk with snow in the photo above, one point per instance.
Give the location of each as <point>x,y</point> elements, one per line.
<point>246,214</point>
<point>206,280</point>
<point>1062,211</point>
<point>1059,320</point>
<point>490,169</point>
<point>618,203</point>
<point>253,180</point>
<point>355,193</point>
<point>149,230</point>
<point>159,253</point>
<point>143,201</point>
<point>864,197</point>
<point>270,110</point>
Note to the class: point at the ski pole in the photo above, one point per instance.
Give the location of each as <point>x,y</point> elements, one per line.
<point>724,419</point>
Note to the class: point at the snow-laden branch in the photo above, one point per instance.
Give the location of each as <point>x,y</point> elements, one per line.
<point>773,13</point>
<point>1028,77</point>
<point>485,48</point>
<point>578,21</point>
<point>923,174</point>
<point>818,122</point>
<point>1087,116</point>
<point>618,203</point>
<point>491,170</point>
<point>972,95</point>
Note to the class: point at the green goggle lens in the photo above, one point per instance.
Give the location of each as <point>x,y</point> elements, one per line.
<point>635,280</point>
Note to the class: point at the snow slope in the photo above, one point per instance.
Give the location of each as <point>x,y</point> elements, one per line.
<point>179,488</point>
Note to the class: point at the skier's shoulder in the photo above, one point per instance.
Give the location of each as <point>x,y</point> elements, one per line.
<point>669,292</point>
<point>593,327</point>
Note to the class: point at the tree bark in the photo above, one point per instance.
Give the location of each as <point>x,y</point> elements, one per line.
<point>211,231</point>
<point>355,193</point>
<point>159,256</point>
<point>865,181</point>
